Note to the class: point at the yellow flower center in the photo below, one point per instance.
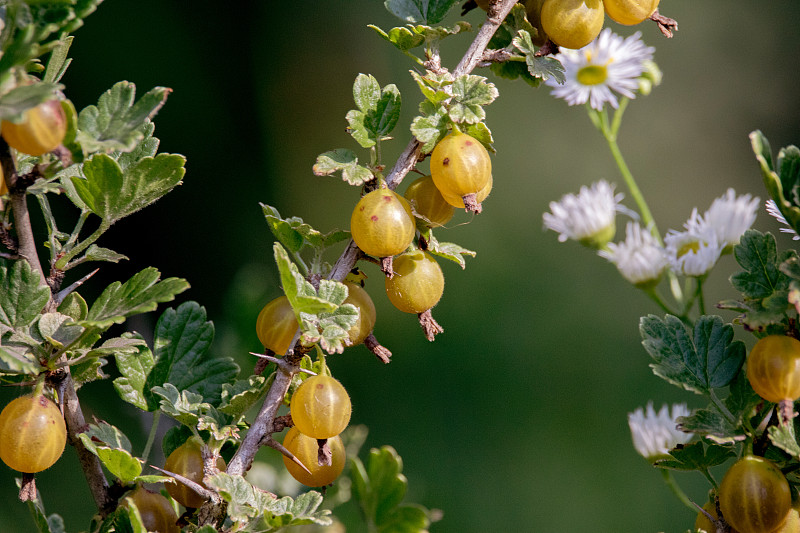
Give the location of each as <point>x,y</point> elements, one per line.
<point>592,75</point>
<point>689,247</point>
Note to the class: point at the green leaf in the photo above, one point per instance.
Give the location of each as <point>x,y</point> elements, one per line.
<point>434,87</point>
<point>380,488</point>
<point>301,294</point>
<point>448,250</point>
<point>260,511</point>
<point>180,347</point>
<point>22,294</point>
<point>696,456</point>
<point>96,253</point>
<point>430,128</point>
<point>542,68</point>
<point>481,133</point>
<point>411,36</point>
<point>470,94</point>
<point>134,369</point>
<point>708,358</point>
<point>14,360</point>
<point>344,161</point>
<point>239,397</point>
<point>711,424</point>
<point>757,254</point>
<point>74,306</point>
<point>377,113</point>
<point>15,102</point>
<point>116,122</point>
<point>330,330</point>
<point>58,330</point>
<point>112,194</point>
<point>87,371</point>
<point>420,11</point>
<point>782,188</point>
<point>783,436</point>
<point>140,294</point>
<point>112,447</point>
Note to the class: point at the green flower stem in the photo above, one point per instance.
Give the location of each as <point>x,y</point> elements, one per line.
<point>701,304</point>
<point>62,264</point>
<point>653,294</point>
<point>152,436</point>
<point>669,479</point>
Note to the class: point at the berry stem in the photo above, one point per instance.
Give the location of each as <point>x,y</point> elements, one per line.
<point>669,479</point>
<point>151,437</point>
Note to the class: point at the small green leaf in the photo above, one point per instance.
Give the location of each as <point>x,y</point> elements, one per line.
<point>140,294</point>
<point>14,360</point>
<point>448,250</point>
<point>74,306</point>
<point>783,436</point>
<point>430,128</point>
<point>377,113</point>
<point>382,119</point>
<point>366,92</point>
<point>543,67</point>
<point>301,294</point>
<point>403,38</point>
<point>711,424</point>
<point>708,358</point>
<point>470,94</point>
<point>116,122</point>
<point>134,369</point>
<point>239,397</point>
<point>58,330</point>
<point>481,133</point>
<point>696,456</point>
<point>757,254</point>
<point>344,161</point>
<point>112,447</point>
<point>420,11</point>
<point>22,294</point>
<point>96,253</point>
<point>180,348</point>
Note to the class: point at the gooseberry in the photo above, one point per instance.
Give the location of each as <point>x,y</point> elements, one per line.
<point>457,201</point>
<point>41,130</point>
<point>773,368</point>
<point>306,449</point>
<point>32,433</point>
<point>187,460</point>
<point>154,509</point>
<point>460,165</point>
<point>630,12</point>
<point>572,23</point>
<point>754,496</point>
<point>533,12</point>
<point>358,297</point>
<point>382,224</point>
<point>418,282</point>
<point>320,407</point>
<point>276,325</point>
<point>428,202</point>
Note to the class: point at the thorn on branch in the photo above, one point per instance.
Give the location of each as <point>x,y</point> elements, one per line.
<point>27,489</point>
<point>665,24</point>
<point>269,441</point>
<point>198,488</point>
<point>54,273</point>
<point>372,344</point>
<point>429,325</point>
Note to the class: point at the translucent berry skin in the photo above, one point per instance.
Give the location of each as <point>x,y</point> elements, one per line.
<point>320,407</point>
<point>367,316</point>
<point>187,461</point>
<point>305,448</point>
<point>533,12</point>
<point>42,129</point>
<point>457,201</point>
<point>32,434</point>
<point>773,368</point>
<point>276,325</point>
<point>382,224</point>
<point>630,12</point>
<point>572,23</point>
<point>157,514</point>
<point>417,284</point>
<point>428,202</point>
<point>754,496</point>
<point>460,165</point>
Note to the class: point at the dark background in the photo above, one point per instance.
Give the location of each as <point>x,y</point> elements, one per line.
<point>515,418</point>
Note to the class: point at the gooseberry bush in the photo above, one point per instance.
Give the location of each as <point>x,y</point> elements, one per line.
<point>103,162</point>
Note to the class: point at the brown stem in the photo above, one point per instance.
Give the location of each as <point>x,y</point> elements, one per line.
<point>665,24</point>
<point>263,424</point>
<point>382,353</point>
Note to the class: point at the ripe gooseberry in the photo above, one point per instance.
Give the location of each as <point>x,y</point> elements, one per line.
<point>457,201</point>
<point>428,202</point>
<point>460,165</point>
<point>3,186</point>
<point>630,12</point>
<point>358,297</point>
<point>382,224</point>
<point>276,325</point>
<point>773,368</point>
<point>572,23</point>
<point>418,282</point>
<point>754,496</point>
<point>154,509</point>
<point>320,407</point>
<point>533,12</point>
<point>33,433</point>
<point>306,449</point>
<point>41,130</point>
<point>187,461</point>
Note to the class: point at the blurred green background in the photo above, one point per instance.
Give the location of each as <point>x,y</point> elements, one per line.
<point>515,418</point>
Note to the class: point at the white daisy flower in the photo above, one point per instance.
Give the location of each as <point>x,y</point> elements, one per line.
<point>607,65</point>
<point>730,216</point>
<point>587,217</point>
<point>654,435</point>
<point>693,252</point>
<point>772,209</point>
<point>639,258</point>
